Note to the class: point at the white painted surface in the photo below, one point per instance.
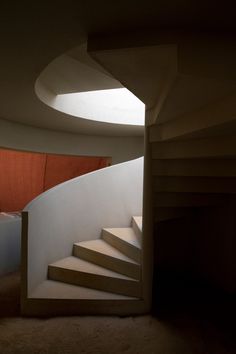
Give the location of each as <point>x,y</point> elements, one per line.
<point>77,210</point>
<point>26,138</point>
<point>76,85</point>
<point>117,106</point>
<point>138,220</point>
<point>137,224</point>
<point>76,71</point>
<point>10,238</point>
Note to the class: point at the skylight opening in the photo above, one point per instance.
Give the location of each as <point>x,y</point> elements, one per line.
<point>118,106</point>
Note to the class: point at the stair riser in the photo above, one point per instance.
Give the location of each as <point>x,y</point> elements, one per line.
<point>130,269</point>
<point>165,214</point>
<point>195,185</point>
<point>94,281</point>
<point>188,200</point>
<point>198,148</point>
<point>124,247</point>
<point>211,116</point>
<point>137,230</point>
<point>195,167</point>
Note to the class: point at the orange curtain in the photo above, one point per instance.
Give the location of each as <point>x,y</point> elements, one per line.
<point>25,175</point>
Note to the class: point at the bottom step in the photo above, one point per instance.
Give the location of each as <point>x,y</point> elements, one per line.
<point>75,271</point>
<point>51,289</point>
<point>52,298</point>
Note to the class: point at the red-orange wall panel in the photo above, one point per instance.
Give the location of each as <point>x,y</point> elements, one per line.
<point>21,178</point>
<point>62,168</point>
<point>24,175</point>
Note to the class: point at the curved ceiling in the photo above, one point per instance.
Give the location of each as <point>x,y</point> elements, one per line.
<point>34,34</point>
<point>112,106</point>
<point>77,86</point>
<point>26,54</point>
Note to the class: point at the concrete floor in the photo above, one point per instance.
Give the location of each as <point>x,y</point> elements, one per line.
<point>180,333</point>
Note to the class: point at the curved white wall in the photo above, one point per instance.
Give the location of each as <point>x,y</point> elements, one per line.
<point>26,138</point>
<point>77,210</point>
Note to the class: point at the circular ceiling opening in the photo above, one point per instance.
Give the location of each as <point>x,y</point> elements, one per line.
<point>117,106</point>
<point>77,86</point>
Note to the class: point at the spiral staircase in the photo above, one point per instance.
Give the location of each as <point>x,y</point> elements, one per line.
<point>110,264</point>
<point>188,84</point>
<point>189,156</point>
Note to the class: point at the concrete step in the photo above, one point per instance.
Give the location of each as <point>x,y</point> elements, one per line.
<point>195,184</point>
<point>213,114</point>
<point>54,298</point>
<point>170,213</point>
<point>125,240</point>
<point>103,254</point>
<point>137,225</point>
<point>195,167</point>
<point>173,199</point>
<point>51,289</point>
<point>148,61</point>
<point>211,147</point>
<point>73,270</point>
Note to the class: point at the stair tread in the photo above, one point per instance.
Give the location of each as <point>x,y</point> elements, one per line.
<point>51,289</point>
<point>126,234</point>
<point>139,221</point>
<point>80,265</point>
<point>103,247</point>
